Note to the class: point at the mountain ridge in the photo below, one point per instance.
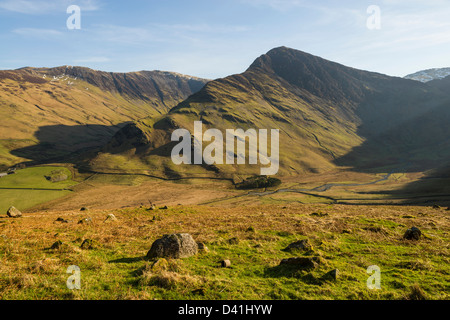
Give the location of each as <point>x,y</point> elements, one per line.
<point>39,107</point>
<point>323,109</point>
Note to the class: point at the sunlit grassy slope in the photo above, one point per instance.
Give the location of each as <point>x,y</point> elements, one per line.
<point>347,238</point>
<point>49,113</point>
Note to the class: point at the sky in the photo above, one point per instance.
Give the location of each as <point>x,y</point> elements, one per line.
<point>217,38</point>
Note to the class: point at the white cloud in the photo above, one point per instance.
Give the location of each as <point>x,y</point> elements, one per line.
<point>281,5</point>
<point>38,33</point>
<point>204,28</point>
<point>162,33</point>
<point>46,6</point>
<point>121,34</point>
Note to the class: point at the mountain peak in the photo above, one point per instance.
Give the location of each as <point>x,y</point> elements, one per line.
<point>319,76</point>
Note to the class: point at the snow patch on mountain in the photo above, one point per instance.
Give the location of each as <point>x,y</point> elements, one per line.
<point>430,74</point>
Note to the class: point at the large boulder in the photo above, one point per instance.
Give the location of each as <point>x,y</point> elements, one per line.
<point>412,234</point>
<point>175,246</point>
<point>302,262</point>
<point>302,245</point>
<point>14,212</point>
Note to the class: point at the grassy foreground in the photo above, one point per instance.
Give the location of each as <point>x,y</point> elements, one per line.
<point>348,238</point>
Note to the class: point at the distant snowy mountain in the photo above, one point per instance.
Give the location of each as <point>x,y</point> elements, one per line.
<point>430,74</point>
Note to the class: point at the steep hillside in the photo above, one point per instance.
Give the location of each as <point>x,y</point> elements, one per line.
<point>328,114</point>
<point>51,113</point>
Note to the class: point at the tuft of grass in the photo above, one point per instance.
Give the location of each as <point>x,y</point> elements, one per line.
<point>416,293</point>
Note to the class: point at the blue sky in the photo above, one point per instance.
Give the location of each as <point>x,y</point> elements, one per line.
<point>212,38</point>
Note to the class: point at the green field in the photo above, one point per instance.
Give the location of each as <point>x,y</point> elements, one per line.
<point>17,189</point>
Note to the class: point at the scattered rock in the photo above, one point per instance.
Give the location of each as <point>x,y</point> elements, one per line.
<point>202,247</point>
<point>225,263</point>
<point>13,212</point>
<point>412,234</point>
<point>302,262</point>
<point>333,275</point>
<point>62,220</point>
<point>110,218</point>
<point>233,241</point>
<point>436,207</point>
<point>173,246</point>
<point>152,207</point>
<point>200,291</point>
<point>156,218</point>
<point>319,214</point>
<point>251,229</point>
<point>64,247</point>
<point>164,208</point>
<point>57,245</point>
<point>84,209</point>
<point>85,221</point>
<point>87,244</point>
<point>302,245</point>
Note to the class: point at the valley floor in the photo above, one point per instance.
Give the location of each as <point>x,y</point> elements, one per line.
<point>115,191</point>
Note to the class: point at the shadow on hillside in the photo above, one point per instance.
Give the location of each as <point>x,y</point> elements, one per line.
<point>432,189</point>
<point>416,143</point>
<point>67,144</point>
